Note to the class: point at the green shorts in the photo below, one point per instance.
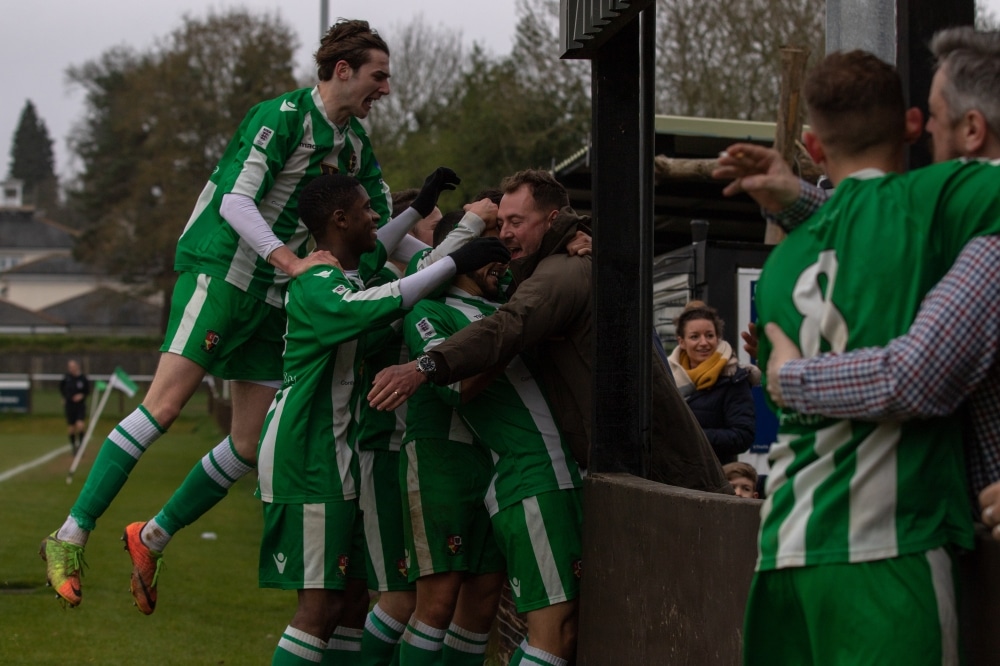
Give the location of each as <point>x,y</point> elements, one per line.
<point>224,330</point>
<point>541,538</point>
<point>447,526</point>
<point>382,511</point>
<point>896,611</point>
<point>311,546</point>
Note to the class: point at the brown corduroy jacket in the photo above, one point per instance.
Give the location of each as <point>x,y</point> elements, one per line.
<point>548,317</point>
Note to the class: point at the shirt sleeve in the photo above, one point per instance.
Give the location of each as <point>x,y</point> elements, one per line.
<point>810,198</point>
<point>929,371</point>
<point>544,305</point>
<point>337,311</point>
<point>422,332</point>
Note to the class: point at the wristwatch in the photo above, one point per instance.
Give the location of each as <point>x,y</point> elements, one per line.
<point>426,366</point>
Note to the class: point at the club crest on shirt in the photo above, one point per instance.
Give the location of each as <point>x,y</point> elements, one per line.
<point>454,543</point>
<point>340,290</point>
<point>426,329</point>
<point>342,562</point>
<point>352,164</point>
<point>328,169</point>
<point>211,341</point>
<point>263,137</point>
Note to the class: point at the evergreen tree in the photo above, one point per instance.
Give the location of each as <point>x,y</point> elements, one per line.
<point>31,158</point>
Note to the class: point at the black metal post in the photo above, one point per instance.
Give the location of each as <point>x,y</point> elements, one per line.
<point>917,21</point>
<point>623,246</point>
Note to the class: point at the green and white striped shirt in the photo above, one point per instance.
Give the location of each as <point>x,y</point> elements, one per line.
<point>853,276</point>
<point>307,448</point>
<point>511,416</point>
<point>280,146</point>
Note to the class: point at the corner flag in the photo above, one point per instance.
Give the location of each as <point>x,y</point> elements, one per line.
<point>121,381</point>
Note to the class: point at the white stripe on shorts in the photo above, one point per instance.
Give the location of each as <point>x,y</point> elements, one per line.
<point>313,546</point>
<point>944,591</point>
<point>544,558</point>
<point>191,312</point>
<point>420,558</point>
<point>369,508</point>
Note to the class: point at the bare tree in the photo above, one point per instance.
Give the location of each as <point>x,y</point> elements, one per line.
<point>427,66</point>
<point>721,59</point>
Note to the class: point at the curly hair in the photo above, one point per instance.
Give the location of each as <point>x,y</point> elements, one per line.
<point>323,196</point>
<point>349,40</point>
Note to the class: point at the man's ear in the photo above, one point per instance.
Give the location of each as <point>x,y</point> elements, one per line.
<point>814,147</point>
<point>913,125</point>
<point>974,133</point>
<point>551,218</point>
<point>342,70</point>
<point>339,218</point>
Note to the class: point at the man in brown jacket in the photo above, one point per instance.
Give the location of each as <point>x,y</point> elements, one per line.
<point>549,317</point>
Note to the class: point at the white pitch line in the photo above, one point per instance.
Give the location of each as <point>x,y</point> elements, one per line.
<point>34,463</point>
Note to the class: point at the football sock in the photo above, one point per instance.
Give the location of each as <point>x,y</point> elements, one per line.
<point>118,455</point>
<point>463,647</point>
<point>344,647</point>
<point>205,486</point>
<point>297,648</point>
<point>72,532</point>
<point>527,655</point>
<point>421,645</point>
<point>154,536</point>
<point>381,635</point>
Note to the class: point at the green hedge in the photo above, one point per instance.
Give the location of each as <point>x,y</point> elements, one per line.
<point>35,344</point>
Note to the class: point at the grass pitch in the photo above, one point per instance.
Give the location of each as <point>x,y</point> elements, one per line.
<point>210,610</point>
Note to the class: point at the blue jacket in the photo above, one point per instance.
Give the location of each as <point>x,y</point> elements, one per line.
<point>726,414</point>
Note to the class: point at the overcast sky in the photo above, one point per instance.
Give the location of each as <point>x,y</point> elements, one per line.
<point>39,40</point>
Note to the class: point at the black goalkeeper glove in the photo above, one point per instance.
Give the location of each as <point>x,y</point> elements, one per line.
<point>442,179</point>
<point>477,253</point>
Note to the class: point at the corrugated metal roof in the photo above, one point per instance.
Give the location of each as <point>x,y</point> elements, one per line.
<point>22,229</point>
<point>105,307</point>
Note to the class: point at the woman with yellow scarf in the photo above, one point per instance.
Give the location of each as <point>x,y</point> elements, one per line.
<point>716,387</point>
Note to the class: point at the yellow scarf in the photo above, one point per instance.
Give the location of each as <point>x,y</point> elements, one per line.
<point>707,372</point>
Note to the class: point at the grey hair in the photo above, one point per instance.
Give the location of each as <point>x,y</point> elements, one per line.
<point>971,60</point>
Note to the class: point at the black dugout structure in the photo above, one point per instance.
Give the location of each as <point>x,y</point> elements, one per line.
<point>668,570</point>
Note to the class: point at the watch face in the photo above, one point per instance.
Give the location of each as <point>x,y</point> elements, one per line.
<point>425,364</point>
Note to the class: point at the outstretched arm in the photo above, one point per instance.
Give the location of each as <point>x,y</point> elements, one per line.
<point>928,372</point>
<point>242,214</point>
<point>767,178</point>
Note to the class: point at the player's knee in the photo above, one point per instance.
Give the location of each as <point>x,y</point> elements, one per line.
<point>246,447</point>
<point>436,607</point>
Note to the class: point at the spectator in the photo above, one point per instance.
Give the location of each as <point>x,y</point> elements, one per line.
<point>549,316</point>
<point>915,376</point>
<point>716,387</point>
<point>878,509</point>
<point>74,388</point>
<point>743,478</point>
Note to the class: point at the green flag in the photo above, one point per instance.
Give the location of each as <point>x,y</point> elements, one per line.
<point>121,381</point>
<point>101,385</point>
